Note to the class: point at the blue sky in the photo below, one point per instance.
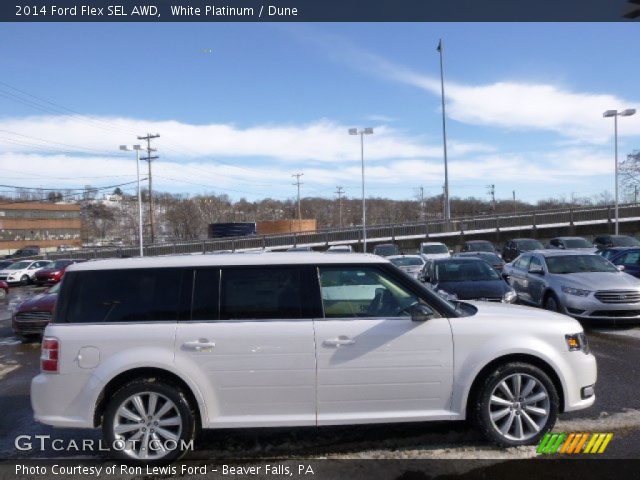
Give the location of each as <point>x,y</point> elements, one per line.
<point>240,107</point>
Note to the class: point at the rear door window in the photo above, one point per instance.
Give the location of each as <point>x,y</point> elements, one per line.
<point>267,292</point>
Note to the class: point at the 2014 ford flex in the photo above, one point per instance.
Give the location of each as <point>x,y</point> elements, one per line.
<point>153,349</point>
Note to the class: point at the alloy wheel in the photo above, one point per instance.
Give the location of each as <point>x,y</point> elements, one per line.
<point>147,426</point>
<point>519,407</point>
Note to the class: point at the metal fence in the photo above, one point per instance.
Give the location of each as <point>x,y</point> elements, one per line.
<point>375,233</point>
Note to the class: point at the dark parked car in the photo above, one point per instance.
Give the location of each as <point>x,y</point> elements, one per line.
<point>611,252</point>
<point>478,246</point>
<point>491,258</point>
<point>571,243</point>
<point>607,241</point>
<point>54,273</point>
<point>629,258</point>
<point>34,314</point>
<point>514,248</point>
<point>386,250</point>
<point>4,290</point>
<point>467,278</point>
<point>29,251</point>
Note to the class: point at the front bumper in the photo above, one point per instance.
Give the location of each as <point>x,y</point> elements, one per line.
<point>590,308</point>
<point>28,327</point>
<point>582,373</point>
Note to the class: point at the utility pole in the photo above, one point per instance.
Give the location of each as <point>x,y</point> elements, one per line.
<point>635,194</point>
<point>491,190</point>
<point>514,202</point>
<point>339,192</point>
<point>298,175</point>
<point>149,159</point>
<point>447,205</point>
<point>444,203</point>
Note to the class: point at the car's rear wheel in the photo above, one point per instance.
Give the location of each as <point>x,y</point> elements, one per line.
<point>148,421</point>
<point>3,294</point>
<point>516,405</point>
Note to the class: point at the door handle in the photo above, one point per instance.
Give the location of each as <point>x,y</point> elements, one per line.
<point>199,345</point>
<point>338,342</point>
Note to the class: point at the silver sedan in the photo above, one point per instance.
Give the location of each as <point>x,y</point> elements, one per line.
<point>583,285</point>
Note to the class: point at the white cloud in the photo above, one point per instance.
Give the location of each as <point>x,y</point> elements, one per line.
<point>507,104</point>
<point>321,141</point>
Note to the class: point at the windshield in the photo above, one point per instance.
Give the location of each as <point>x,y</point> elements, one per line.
<point>481,247</point>
<point>386,250</point>
<point>431,249</point>
<point>407,261</point>
<point>579,263</point>
<point>526,245</point>
<point>625,242</point>
<point>60,264</point>
<point>19,265</point>
<point>576,243</point>
<point>465,271</point>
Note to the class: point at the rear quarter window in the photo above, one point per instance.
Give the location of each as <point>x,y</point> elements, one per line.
<point>107,296</point>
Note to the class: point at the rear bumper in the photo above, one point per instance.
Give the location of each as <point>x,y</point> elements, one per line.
<point>64,400</point>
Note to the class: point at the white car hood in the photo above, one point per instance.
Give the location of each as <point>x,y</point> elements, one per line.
<point>503,311</point>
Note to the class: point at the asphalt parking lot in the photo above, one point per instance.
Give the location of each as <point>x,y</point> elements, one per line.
<point>617,410</point>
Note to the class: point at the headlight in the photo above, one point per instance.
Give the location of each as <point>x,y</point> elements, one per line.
<point>510,296</point>
<point>575,291</point>
<point>577,341</point>
<point>447,295</point>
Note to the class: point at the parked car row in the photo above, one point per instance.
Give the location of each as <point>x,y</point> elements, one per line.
<point>40,272</point>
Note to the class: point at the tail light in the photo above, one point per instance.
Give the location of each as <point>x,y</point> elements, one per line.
<point>49,355</point>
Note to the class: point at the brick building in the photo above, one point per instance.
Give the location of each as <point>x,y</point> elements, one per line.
<point>47,225</point>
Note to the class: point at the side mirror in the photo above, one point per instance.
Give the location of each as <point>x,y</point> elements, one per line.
<point>536,269</point>
<point>426,278</point>
<point>450,252</point>
<point>420,313</point>
<point>620,268</point>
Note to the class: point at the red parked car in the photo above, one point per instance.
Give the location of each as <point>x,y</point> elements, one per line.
<point>32,316</point>
<point>4,290</point>
<point>53,274</point>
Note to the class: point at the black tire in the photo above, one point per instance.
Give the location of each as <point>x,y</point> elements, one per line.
<point>172,392</point>
<point>552,303</point>
<point>481,408</point>
<point>24,280</point>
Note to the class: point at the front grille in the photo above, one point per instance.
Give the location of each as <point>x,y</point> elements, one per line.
<point>490,299</point>
<point>33,317</point>
<point>3,277</point>
<point>616,313</point>
<point>618,296</point>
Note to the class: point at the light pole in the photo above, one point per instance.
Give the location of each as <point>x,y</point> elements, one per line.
<point>615,114</point>
<point>362,133</point>
<point>137,149</point>
<point>447,205</point>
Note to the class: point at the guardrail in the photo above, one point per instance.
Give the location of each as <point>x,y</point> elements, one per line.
<point>375,233</point>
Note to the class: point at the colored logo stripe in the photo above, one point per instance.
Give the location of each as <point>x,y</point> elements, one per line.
<point>574,443</point>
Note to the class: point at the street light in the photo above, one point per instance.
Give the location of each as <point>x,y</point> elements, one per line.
<point>137,149</point>
<point>362,133</point>
<point>615,114</point>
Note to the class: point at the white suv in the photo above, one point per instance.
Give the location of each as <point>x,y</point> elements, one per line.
<point>153,349</point>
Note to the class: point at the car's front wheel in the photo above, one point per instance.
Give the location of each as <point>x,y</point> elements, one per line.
<point>516,405</point>
<point>24,280</point>
<point>149,421</point>
<point>552,303</point>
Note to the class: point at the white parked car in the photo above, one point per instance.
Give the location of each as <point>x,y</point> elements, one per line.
<point>433,250</point>
<point>410,264</point>
<point>23,272</point>
<point>152,349</point>
<point>340,249</point>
